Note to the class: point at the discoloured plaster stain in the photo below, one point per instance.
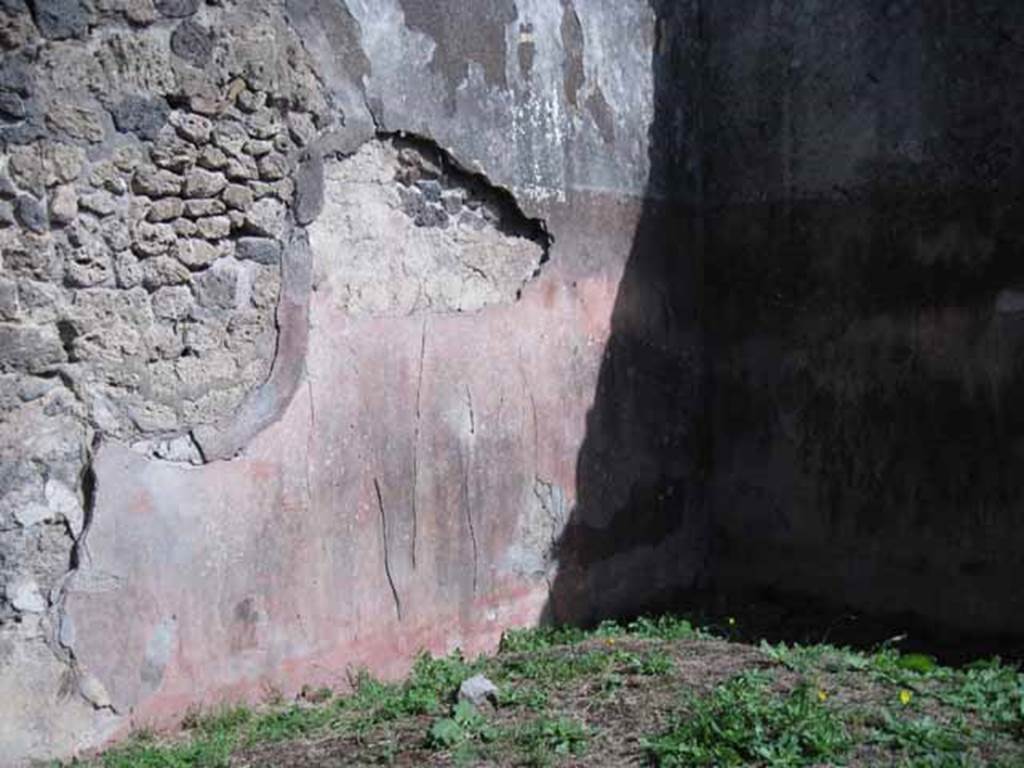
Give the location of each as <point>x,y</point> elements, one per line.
<point>604,117</point>
<point>526,50</point>
<point>464,33</point>
<point>340,29</point>
<point>573,75</point>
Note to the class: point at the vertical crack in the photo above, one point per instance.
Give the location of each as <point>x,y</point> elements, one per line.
<point>87,484</point>
<point>387,557</point>
<point>309,439</point>
<point>416,441</point>
<point>469,516</point>
<point>533,411</point>
<point>472,418</point>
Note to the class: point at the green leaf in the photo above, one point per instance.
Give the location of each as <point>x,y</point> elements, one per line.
<point>917,662</point>
<point>446,733</point>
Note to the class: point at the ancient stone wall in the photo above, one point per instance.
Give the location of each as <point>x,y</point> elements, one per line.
<point>148,212</point>
<point>300,303</point>
<point>334,331</point>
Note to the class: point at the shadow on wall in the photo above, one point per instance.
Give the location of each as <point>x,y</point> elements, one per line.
<point>814,383</point>
<point>638,533</point>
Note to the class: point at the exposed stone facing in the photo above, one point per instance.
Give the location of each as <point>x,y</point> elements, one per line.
<point>161,160</point>
<point>145,194</point>
<point>404,230</point>
<point>158,189</point>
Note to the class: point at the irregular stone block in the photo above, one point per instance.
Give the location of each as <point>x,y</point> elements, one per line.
<point>262,125</point>
<point>7,189</point>
<point>258,148</point>
<point>173,302</point>
<point>262,250</point>
<point>64,502</point>
<point>34,348</point>
<point>100,203</point>
<point>63,205</point>
<point>128,270</point>
<point>32,255</point>
<point>241,169</point>
<point>9,308</point>
<point>12,106</point>
<point>25,596</point>
<point>65,161</point>
<point>273,167</point>
<point>127,158</point>
<point>193,42</point>
<point>195,209</point>
<point>107,176</point>
<point>76,121</point>
<point>237,196</point>
<point>116,234</point>
<point>163,270</point>
<point>31,214</point>
<point>165,209</point>
<point>27,169</point>
<point>173,153</point>
<point>140,12</point>
<point>140,115</point>
<point>217,287</point>
<point>231,137</point>
<point>301,128</point>
<point>213,227</point>
<point>177,9</point>
<point>266,217</point>
<point>309,189</point>
<point>196,254</point>
<point>479,691</point>
<point>213,158</point>
<point>61,19</point>
<point>152,182</point>
<point>88,263</point>
<point>202,183</point>
<point>152,239</point>
<point>184,227</point>
<point>194,128</point>
<point>39,301</point>
<point>251,101</point>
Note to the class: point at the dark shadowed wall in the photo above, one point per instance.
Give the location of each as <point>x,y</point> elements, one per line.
<point>865,230</point>
<point>815,368</point>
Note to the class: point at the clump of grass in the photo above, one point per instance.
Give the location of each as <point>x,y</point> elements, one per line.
<point>547,669</point>
<point>665,628</point>
<point>992,690</point>
<point>427,690</point>
<point>464,725</point>
<point>546,739</point>
<point>743,722</point>
<point>539,638</point>
<point>923,738</point>
<point>213,740</point>
<point>907,706</point>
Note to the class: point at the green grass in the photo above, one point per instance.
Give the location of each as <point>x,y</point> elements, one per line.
<point>744,722</point>
<point>560,690</point>
<point>546,739</point>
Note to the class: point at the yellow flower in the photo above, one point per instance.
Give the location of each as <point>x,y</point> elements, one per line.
<point>905,697</point>
<point>822,696</point>
<point>610,641</point>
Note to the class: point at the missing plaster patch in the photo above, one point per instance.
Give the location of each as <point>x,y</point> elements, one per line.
<point>404,230</point>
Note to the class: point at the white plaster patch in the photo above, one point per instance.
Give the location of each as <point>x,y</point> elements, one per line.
<point>399,235</point>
